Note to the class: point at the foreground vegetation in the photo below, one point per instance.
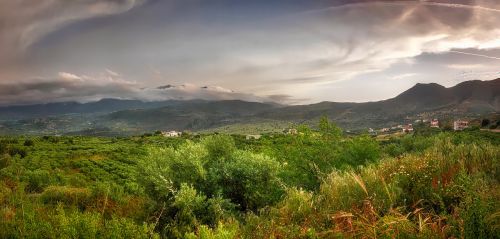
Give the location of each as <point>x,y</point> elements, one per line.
<point>317,184</point>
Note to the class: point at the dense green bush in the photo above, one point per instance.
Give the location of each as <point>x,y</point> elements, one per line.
<point>37,180</point>
<point>360,151</point>
<point>17,151</point>
<point>29,143</point>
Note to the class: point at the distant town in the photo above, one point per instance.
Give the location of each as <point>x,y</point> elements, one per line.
<point>458,125</point>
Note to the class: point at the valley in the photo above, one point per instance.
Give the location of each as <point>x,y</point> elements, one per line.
<point>469,100</point>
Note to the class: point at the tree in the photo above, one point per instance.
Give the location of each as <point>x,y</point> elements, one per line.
<point>485,123</point>
<point>329,129</point>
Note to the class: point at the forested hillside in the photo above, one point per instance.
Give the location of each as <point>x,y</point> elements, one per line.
<point>314,184</point>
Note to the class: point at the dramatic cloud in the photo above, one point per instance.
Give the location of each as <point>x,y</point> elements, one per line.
<point>295,51</point>
<point>71,87</point>
<point>191,91</point>
<point>24,21</point>
<point>66,87</point>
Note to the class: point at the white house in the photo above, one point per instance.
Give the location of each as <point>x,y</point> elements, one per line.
<point>172,133</point>
<point>253,136</point>
<point>290,131</point>
<point>460,124</point>
<point>408,128</point>
<point>435,123</point>
<point>385,130</point>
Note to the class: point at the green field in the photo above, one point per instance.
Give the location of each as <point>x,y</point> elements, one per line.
<point>251,128</point>
<point>316,184</point>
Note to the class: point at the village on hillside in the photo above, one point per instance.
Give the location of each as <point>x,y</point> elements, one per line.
<point>457,125</point>
<point>405,128</point>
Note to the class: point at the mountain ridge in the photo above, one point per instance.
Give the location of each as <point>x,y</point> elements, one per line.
<point>433,100</point>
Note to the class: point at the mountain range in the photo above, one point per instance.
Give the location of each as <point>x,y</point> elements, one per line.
<point>115,116</point>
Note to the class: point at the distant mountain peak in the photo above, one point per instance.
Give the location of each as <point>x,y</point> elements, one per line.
<point>431,96</point>
<point>421,90</point>
<point>432,84</point>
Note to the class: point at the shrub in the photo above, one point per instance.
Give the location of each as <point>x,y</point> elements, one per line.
<point>67,195</point>
<point>218,209</point>
<point>13,151</point>
<point>485,123</point>
<point>360,151</point>
<point>476,211</point>
<point>188,203</point>
<point>222,231</point>
<point>29,143</point>
<point>249,180</point>
<point>3,147</point>
<point>219,146</point>
<point>165,169</point>
<point>394,149</point>
<point>297,206</point>
<point>37,180</point>
<point>5,192</point>
<point>4,160</point>
<point>329,129</point>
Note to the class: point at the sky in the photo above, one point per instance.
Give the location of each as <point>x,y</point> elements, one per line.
<point>284,51</point>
